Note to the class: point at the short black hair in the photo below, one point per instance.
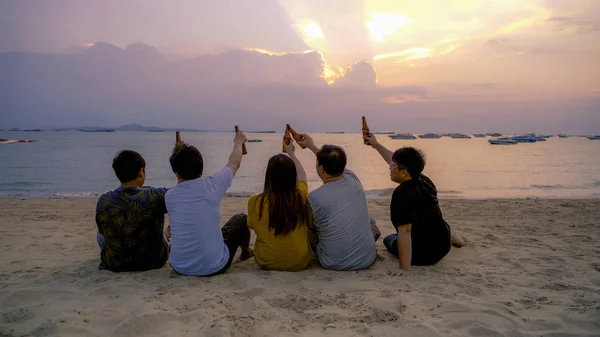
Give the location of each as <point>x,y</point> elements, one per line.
<point>127,164</point>
<point>187,162</point>
<point>413,160</point>
<point>333,159</point>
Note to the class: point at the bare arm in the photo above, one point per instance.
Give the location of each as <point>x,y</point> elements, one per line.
<point>309,143</point>
<point>314,148</point>
<point>299,168</point>
<point>235,158</point>
<point>291,151</point>
<point>404,246</point>
<point>383,151</point>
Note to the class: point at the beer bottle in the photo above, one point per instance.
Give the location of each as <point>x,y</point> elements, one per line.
<point>178,142</point>
<point>287,139</point>
<point>365,129</point>
<point>243,145</point>
<point>296,135</point>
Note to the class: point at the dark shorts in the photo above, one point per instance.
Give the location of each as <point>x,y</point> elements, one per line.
<point>418,258</point>
<point>235,234</point>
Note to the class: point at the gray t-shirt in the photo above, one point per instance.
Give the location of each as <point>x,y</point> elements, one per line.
<point>342,220</point>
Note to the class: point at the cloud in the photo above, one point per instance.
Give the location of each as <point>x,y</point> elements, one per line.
<point>574,24</point>
<point>480,86</point>
<point>402,99</point>
<point>359,75</point>
<point>182,27</point>
<point>106,84</point>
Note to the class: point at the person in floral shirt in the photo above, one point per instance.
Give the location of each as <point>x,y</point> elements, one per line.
<point>131,219</point>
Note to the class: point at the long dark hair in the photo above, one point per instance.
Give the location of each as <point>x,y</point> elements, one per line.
<point>287,207</point>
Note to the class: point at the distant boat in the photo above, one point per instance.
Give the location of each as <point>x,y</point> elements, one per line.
<point>459,136</point>
<point>502,141</point>
<point>524,139</point>
<point>479,135</point>
<point>403,136</point>
<point>384,133</point>
<point>538,138</point>
<point>268,131</point>
<point>335,132</point>
<point>494,134</point>
<point>560,135</point>
<point>430,136</point>
<point>254,140</point>
<point>13,141</point>
<point>593,137</point>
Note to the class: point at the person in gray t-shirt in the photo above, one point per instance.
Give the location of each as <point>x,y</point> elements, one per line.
<point>345,233</point>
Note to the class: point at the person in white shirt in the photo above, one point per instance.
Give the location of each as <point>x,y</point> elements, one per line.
<point>199,246</point>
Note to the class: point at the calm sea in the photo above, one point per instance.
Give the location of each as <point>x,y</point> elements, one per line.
<point>78,164</point>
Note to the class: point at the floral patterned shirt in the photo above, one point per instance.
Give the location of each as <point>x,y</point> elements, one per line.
<point>131,220</point>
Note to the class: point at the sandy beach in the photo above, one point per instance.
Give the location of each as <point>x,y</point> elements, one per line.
<point>531,268</point>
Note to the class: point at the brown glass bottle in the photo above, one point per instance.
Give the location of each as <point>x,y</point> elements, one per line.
<point>178,142</point>
<point>296,135</point>
<point>287,139</point>
<point>365,129</point>
<point>243,145</point>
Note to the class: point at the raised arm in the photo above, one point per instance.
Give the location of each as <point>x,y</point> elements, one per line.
<point>383,151</point>
<point>309,143</point>
<point>235,158</point>
<point>405,246</point>
<point>291,151</point>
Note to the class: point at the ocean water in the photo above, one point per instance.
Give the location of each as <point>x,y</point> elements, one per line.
<point>78,164</point>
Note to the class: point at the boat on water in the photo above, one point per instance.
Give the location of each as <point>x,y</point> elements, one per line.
<point>13,141</point>
<point>524,139</point>
<point>459,136</point>
<point>335,132</point>
<point>384,133</point>
<point>430,136</point>
<point>561,135</point>
<point>502,141</point>
<point>254,140</point>
<point>478,135</point>
<point>494,134</point>
<point>403,136</point>
<point>597,137</point>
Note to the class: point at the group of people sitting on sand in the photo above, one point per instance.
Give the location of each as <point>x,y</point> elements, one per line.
<point>292,226</point>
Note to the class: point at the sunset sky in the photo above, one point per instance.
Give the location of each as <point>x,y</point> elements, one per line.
<point>459,50</point>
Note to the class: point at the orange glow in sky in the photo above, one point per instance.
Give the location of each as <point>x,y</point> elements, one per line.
<point>516,44</point>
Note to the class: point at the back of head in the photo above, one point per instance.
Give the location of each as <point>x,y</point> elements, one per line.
<point>281,175</point>
<point>127,164</point>
<point>186,161</point>
<point>333,159</point>
<point>287,208</point>
<point>410,158</point>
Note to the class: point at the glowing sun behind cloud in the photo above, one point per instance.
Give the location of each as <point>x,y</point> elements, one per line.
<point>312,32</point>
<point>385,24</point>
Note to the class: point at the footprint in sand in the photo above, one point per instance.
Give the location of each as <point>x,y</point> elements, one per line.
<point>16,315</point>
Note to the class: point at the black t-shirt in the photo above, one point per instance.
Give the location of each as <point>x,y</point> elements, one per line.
<point>415,202</point>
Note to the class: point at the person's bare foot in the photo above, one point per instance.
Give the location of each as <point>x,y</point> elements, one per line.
<point>246,254</point>
<point>457,241</point>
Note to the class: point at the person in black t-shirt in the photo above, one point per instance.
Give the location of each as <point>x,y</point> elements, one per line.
<point>424,237</point>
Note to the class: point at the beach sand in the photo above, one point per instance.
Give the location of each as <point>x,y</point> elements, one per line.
<point>531,268</point>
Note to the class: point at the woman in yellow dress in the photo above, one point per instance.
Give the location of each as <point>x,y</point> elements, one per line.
<point>280,216</point>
